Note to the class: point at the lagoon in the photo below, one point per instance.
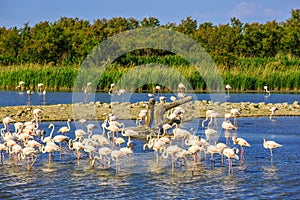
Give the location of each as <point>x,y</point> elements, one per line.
<point>259,177</point>
<point>16,98</point>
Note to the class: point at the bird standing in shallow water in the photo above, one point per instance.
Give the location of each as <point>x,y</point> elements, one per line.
<point>228,87</point>
<point>271,145</point>
<point>230,153</point>
<point>242,142</point>
<point>65,129</point>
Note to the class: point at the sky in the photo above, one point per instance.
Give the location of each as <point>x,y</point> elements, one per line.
<point>18,12</point>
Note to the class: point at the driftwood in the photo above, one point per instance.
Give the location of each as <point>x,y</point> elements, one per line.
<point>156,115</point>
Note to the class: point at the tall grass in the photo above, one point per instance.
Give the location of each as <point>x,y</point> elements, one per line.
<point>280,73</point>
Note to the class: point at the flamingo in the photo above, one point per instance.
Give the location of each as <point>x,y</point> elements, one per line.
<point>181,87</point>
<point>128,151</point>
<point>173,149</point>
<point>114,129</point>
<point>228,87</point>
<point>49,148</point>
<point>79,134</point>
<point>266,90</point>
<point>211,134</point>
<point>230,153</point>
<point>130,133</point>
<point>103,155</point>
<point>21,83</point>
<point>32,143</point>
<point>115,155</point>
<point>76,145</point>
<point>158,90</point>
<point>59,139</point>
<point>40,86</point>
<point>3,148</point>
<point>36,113</point>
<point>49,138</point>
<point>213,149</point>
<point>182,154</point>
<point>18,127</point>
<point>101,139</point>
<point>173,98</point>
<point>221,146</point>
<point>44,94</point>
<point>193,150</point>
<point>273,110</point>
<point>6,121</point>
<point>110,91</point>
<point>156,145</point>
<point>15,149</point>
<point>180,133</point>
<point>235,112</point>
<point>271,145</point>
<point>121,92</point>
<point>166,127</point>
<point>29,152</point>
<point>207,116</point>
<point>227,125</point>
<point>65,129</point>
<point>118,141</point>
<point>242,142</point>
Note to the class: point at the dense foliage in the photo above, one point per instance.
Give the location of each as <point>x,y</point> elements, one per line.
<point>248,55</point>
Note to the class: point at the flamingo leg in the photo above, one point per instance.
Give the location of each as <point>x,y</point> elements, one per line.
<point>242,154</point>
<point>227,136</point>
<point>2,157</point>
<point>173,164</point>
<point>33,161</point>
<point>229,166</point>
<point>271,152</point>
<point>60,150</point>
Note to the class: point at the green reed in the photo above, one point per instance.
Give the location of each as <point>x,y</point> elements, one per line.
<point>280,73</point>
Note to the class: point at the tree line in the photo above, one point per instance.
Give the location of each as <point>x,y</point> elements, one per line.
<point>248,55</point>
<point>69,40</point>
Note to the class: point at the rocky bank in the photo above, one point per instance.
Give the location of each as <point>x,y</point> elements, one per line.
<point>126,110</point>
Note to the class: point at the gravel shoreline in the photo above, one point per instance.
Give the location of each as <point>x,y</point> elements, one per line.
<point>126,110</point>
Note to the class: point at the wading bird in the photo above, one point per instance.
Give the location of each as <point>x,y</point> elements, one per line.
<point>271,145</point>
<point>228,87</point>
<point>266,90</point>
<point>65,129</point>
<point>273,110</point>
<point>242,142</point>
<point>230,153</point>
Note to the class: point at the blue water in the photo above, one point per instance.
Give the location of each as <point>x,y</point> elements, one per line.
<point>259,177</point>
<point>13,98</point>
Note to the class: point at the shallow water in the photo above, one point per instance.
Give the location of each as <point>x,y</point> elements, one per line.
<point>14,98</point>
<point>259,177</point>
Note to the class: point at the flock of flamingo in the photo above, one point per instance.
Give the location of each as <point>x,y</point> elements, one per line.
<point>27,141</point>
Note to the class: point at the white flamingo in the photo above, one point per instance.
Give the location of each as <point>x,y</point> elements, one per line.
<point>273,110</point>
<point>271,145</point>
<point>116,155</point>
<point>235,112</point>
<point>65,129</point>
<point>228,87</point>
<point>171,150</point>
<point>266,90</point>
<point>103,155</point>
<point>230,153</point>
<point>242,142</point>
